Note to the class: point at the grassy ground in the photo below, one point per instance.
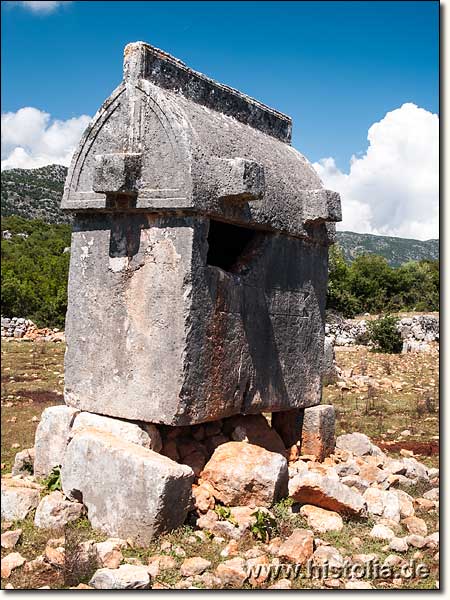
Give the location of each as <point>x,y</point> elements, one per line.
<point>32,379</point>
<point>402,395</point>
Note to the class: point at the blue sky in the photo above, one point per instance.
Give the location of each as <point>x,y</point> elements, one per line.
<point>335,67</point>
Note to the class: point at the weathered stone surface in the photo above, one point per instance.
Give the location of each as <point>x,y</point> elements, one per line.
<point>318,431</point>
<point>10,538</point>
<point>232,572</point>
<point>416,526</point>
<point>406,504</point>
<point>194,566</point>
<point>381,532</point>
<point>24,462</point>
<point>244,474</point>
<point>383,503</point>
<point>151,241</point>
<point>126,577</point>
<point>325,492</point>
<point>203,497</point>
<point>321,520</point>
<point>125,430</point>
<point>128,490</point>
<point>432,494</point>
<point>357,443</point>
<point>328,555</point>
<point>55,511</point>
<point>255,430</point>
<point>55,556</point>
<point>418,541</point>
<point>109,553</point>
<point>298,547</point>
<point>18,498</point>
<point>398,544</point>
<point>415,469</point>
<point>52,437</point>
<point>223,529</point>
<point>10,562</point>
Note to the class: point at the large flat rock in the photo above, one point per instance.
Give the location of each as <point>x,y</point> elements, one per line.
<point>129,491</point>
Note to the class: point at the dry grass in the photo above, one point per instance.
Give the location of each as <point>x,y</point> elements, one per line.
<point>32,379</point>
<point>402,396</point>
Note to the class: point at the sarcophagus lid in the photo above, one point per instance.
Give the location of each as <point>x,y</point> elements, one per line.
<point>169,138</point>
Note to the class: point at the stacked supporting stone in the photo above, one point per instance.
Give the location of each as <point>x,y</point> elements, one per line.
<point>196,303</point>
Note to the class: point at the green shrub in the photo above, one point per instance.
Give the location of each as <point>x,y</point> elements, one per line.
<point>384,335</point>
<point>370,284</point>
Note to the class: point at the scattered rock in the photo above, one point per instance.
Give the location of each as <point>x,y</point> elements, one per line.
<point>10,562</point>
<point>381,532</point>
<point>432,541</point>
<point>406,504</point>
<point>398,544</point>
<point>415,525</point>
<point>321,520</point>
<point>231,549</point>
<point>159,563</point>
<point>194,566</point>
<point>55,556</point>
<point>432,494</point>
<point>356,443</point>
<point>244,474</point>
<point>422,504</point>
<point>298,547</point>
<point>326,492</point>
<point>55,511</point>
<point>418,541</point>
<point>24,462</point>
<point>126,577</point>
<point>328,555</point>
<point>203,497</point>
<point>109,553</point>
<point>232,572</point>
<point>10,538</point>
<point>18,497</point>
<point>415,469</point>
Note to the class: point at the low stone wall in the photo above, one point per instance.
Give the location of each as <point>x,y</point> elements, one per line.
<point>24,329</point>
<point>417,331</point>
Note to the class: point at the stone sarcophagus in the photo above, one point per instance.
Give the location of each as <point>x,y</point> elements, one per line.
<point>199,253</point>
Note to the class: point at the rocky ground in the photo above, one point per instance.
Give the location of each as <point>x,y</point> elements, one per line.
<point>365,517</point>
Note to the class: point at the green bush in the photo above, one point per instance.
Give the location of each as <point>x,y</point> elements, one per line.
<point>370,285</point>
<point>384,335</point>
<point>35,271</point>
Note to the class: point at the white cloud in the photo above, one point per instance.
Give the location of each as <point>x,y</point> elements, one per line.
<point>31,139</point>
<point>393,189</point>
<point>39,6</point>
